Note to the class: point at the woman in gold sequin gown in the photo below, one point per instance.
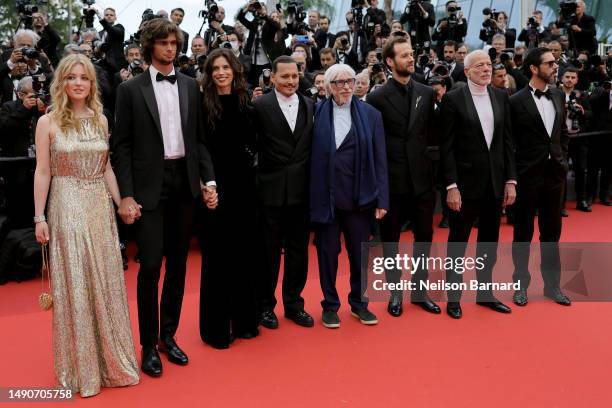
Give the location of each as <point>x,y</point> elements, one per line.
<point>92,340</point>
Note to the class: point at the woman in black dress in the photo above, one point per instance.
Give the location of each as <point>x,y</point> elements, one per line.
<point>226,234</point>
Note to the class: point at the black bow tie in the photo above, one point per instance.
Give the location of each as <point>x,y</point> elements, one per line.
<point>161,77</point>
<point>539,93</point>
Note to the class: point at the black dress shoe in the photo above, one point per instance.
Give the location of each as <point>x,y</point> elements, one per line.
<point>564,213</point>
<point>175,354</point>
<point>496,306</point>
<point>428,305</point>
<point>453,309</point>
<point>520,297</point>
<point>300,317</point>
<point>151,363</point>
<point>606,202</point>
<point>268,319</point>
<point>584,206</point>
<point>247,334</point>
<point>395,308</point>
<point>558,296</point>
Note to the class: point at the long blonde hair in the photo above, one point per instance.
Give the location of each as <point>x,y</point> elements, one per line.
<point>61,109</point>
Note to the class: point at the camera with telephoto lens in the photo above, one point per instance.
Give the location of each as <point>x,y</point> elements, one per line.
<point>532,23</point>
<point>28,53</point>
<point>266,76</point>
<point>226,44</point>
<point>567,10</point>
<point>210,11</point>
<point>441,69</point>
<point>453,18</point>
<point>25,8</point>
<point>344,42</point>
<point>493,15</point>
<point>40,85</point>
<point>573,111</point>
<point>88,13</point>
<point>357,11</point>
<point>295,18</point>
<point>425,50</point>
<point>136,67</point>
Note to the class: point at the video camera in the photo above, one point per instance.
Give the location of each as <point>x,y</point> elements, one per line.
<point>295,18</point>
<point>40,85</point>
<point>25,8</point>
<point>567,10</point>
<point>357,11</point>
<point>88,13</point>
<point>573,111</point>
<point>493,15</point>
<point>453,18</point>
<point>210,11</point>
<point>136,67</point>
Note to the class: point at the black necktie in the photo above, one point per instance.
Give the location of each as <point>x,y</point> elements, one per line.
<point>539,93</point>
<point>161,77</point>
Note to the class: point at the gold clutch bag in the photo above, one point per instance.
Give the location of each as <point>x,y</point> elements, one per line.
<point>45,300</point>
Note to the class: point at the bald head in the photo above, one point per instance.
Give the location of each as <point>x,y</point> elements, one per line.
<point>474,56</point>
<point>478,67</point>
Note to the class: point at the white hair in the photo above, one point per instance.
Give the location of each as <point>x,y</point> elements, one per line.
<point>467,62</point>
<point>499,37</point>
<point>25,84</point>
<point>334,72</point>
<point>26,33</point>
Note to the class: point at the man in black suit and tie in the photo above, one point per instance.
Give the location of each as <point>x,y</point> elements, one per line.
<point>161,163</point>
<point>477,161</point>
<point>284,120</point>
<point>407,109</point>
<point>113,35</point>
<point>540,133</point>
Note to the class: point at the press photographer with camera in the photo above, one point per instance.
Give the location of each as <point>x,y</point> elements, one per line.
<point>420,16</point>
<point>455,68</point>
<point>452,27</point>
<point>323,37</point>
<point>580,27</point>
<point>327,56</point>
<point>217,31</point>
<point>49,38</point>
<point>260,42</point>
<point>112,35</point>
<point>176,16</point>
<point>136,65</point>
<point>374,20</point>
<point>534,31</point>
<point>344,53</point>
<point>496,22</point>
<point>578,113</point>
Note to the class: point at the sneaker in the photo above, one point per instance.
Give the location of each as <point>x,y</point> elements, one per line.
<point>331,319</point>
<point>365,316</point>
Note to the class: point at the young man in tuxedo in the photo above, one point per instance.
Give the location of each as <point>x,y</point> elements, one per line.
<point>540,133</point>
<point>477,161</point>
<point>161,162</point>
<point>407,108</point>
<point>284,120</point>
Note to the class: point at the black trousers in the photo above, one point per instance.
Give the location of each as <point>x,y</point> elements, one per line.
<point>545,198</point>
<point>355,226</point>
<point>164,231</point>
<point>419,209</point>
<point>283,227</point>
<point>578,150</point>
<point>488,212</point>
<point>599,174</point>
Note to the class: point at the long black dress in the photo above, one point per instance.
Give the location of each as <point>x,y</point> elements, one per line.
<point>227,234</point>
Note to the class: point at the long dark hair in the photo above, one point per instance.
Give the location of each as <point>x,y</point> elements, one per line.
<point>212,103</point>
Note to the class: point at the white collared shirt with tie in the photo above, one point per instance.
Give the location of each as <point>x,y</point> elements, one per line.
<point>168,106</point>
<point>290,107</point>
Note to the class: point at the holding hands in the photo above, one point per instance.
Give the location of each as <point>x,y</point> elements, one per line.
<point>129,210</point>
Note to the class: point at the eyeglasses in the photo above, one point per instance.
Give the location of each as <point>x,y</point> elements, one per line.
<point>549,63</point>
<point>341,83</point>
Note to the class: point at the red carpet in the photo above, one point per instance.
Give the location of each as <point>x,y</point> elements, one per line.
<point>543,355</point>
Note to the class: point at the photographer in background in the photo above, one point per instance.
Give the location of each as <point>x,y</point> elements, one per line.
<point>136,65</point>
<point>534,31</point>
<point>260,43</point>
<point>580,27</point>
<point>313,20</point>
<point>177,15</point>
<point>420,16</point>
<point>455,68</point>
<point>577,117</point>
<point>327,56</point>
<point>217,31</point>
<point>344,53</point>
<point>452,27</point>
<point>374,20</point>
<point>323,37</point>
<point>49,38</point>
<point>496,22</point>
<point>112,35</point>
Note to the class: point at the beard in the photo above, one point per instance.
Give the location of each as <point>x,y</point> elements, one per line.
<point>548,78</point>
<point>404,70</point>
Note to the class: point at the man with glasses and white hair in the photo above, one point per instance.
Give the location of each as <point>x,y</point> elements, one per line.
<point>478,169</point>
<point>348,186</point>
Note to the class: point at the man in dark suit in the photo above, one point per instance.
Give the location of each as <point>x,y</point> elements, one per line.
<point>420,17</point>
<point>540,132</point>
<point>452,27</point>
<point>284,121</point>
<point>161,162</point>
<point>455,69</point>
<point>407,109</point>
<point>600,147</point>
<point>323,37</point>
<point>582,30</point>
<point>477,161</point>
<point>113,35</point>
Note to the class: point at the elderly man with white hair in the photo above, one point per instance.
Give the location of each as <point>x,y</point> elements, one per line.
<point>348,187</point>
<point>478,168</point>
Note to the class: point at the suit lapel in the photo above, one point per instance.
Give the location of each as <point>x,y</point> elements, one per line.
<point>558,108</point>
<point>395,99</point>
<point>473,115</point>
<point>533,111</point>
<point>497,115</point>
<point>415,99</point>
<point>183,92</point>
<point>149,97</point>
<point>276,112</point>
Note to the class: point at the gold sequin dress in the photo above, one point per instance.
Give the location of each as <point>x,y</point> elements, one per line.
<point>92,339</point>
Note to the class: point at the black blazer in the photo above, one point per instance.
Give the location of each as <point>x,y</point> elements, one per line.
<point>533,145</point>
<point>465,158</point>
<point>268,32</point>
<point>114,39</point>
<point>458,73</point>
<point>284,156</point>
<point>138,148</point>
<point>324,39</point>
<point>407,136</point>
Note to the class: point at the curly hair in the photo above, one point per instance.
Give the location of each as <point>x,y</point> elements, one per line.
<point>60,110</point>
<point>157,29</point>
<point>211,101</point>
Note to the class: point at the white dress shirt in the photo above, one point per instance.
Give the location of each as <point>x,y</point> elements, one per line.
<point>290,107</point>
<point>342,122</point>
<point>546,108</point>
<point>168,105</point>
<point>484,108</point>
